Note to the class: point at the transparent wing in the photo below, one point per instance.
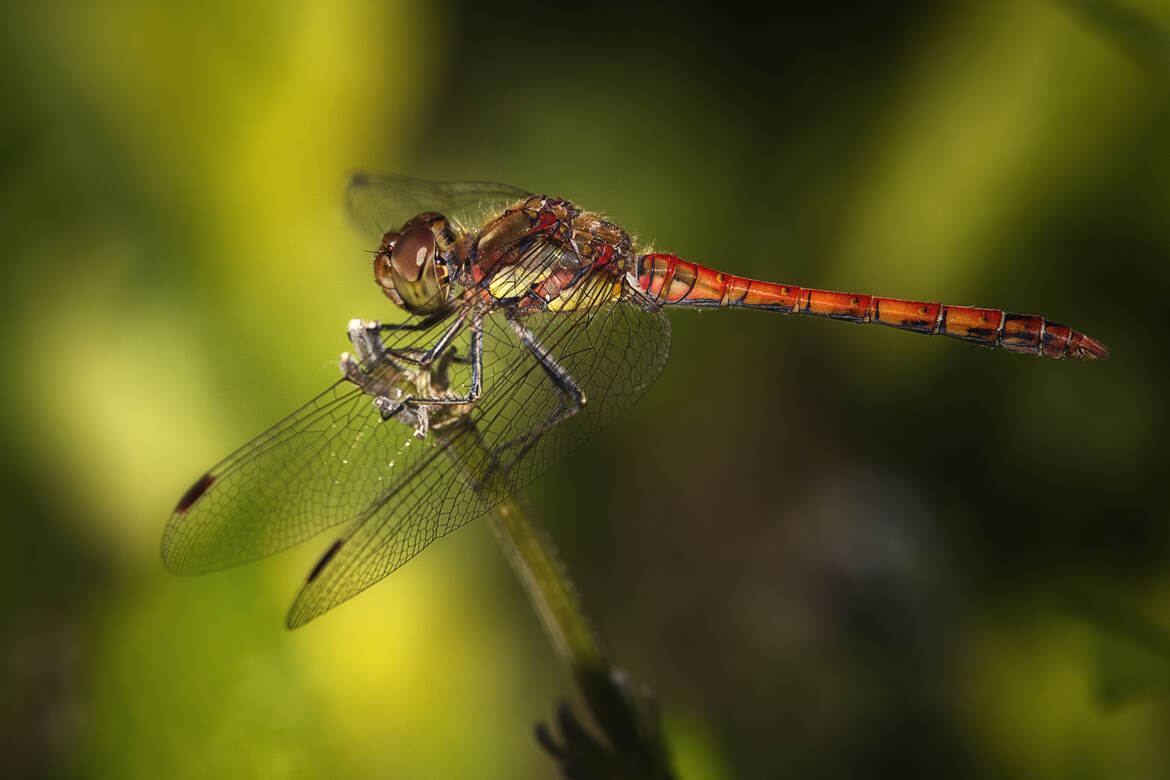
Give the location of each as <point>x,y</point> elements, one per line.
<point>612,352</point>
<point>319,467</point>
<point>377,203</point>
<point>335,459</point>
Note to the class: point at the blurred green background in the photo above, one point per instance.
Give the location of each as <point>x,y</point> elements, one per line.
<point>833,551</point>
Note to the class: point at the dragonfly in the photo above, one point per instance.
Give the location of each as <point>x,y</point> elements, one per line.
<point>526,325</point>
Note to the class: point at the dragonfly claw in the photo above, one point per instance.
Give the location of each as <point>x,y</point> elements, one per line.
<point>407,413</point>
<point>388,407</point>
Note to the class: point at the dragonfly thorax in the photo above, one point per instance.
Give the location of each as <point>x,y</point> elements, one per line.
<point>409,264</point>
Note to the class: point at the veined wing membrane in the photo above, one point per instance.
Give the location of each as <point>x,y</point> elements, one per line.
<point>613,352</point>
<point>377,203</point>
<point>319,467</point>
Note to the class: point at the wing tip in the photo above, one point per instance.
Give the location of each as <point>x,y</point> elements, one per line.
<point>169,560</point>
<point>176,557</point>
<point>301,612</point>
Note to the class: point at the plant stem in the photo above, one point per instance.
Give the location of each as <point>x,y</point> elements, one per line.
<point>624,710</point>
<point>553,596</point>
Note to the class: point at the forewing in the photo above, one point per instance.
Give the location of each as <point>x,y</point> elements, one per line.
<point>336,460</point>
<point>612,351</point>
<point>319,467</point>
<point>380,202</point>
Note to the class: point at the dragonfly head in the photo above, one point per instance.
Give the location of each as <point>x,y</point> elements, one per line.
<point>409,265</point>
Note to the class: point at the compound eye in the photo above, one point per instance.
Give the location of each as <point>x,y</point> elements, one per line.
<point>413,270</point>
<point>413,253</point>
<point>384,270</point>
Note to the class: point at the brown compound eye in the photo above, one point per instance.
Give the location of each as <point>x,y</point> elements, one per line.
<point>412,254</point>
<point>383,269</point>
<point>409,271</point>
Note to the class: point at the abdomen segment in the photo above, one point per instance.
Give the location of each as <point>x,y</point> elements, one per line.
<point>675,282</point>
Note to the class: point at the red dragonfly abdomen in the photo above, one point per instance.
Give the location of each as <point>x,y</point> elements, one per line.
<point>675,282</point>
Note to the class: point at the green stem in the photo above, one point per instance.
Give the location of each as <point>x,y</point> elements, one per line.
<point>624,710</point>
<point>553,596</point>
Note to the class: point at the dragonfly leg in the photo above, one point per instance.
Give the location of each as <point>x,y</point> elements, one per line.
<point>407,386</point>
<point>431,387</point>
<point>385,386</point>
<point>364,335</point>
<point>474,356</point>
<point>407,411</point>
<point>555,371</point>
<point>424,324</point>
<point>389,398</point>
<point>438,348</point>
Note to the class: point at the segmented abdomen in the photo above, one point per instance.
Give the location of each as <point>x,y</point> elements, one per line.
<point>672,281</point>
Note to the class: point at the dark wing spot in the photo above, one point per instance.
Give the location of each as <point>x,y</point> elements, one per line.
<point>193,493</point>
<point>328,556</point>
